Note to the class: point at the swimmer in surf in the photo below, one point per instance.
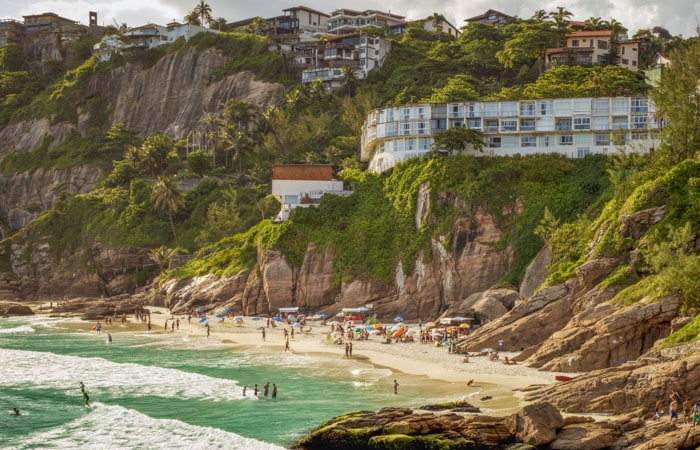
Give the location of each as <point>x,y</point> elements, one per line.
<point>109,338</point>
<point>15,412</point>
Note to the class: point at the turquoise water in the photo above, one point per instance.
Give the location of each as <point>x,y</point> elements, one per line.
<point>155,390</point>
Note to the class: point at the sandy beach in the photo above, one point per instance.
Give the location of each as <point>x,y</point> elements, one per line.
<point>435,364</point>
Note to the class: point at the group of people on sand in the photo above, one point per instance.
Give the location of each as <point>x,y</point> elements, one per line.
<point>266,390</point>
<point>691,411</point>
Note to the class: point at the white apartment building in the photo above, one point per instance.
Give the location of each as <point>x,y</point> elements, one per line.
<point>344,21</point>
<point>574,127</point>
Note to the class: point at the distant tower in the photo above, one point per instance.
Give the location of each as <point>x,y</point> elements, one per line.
<point>93,19</point>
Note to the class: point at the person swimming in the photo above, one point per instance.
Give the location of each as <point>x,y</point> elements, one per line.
<point>15,412</point>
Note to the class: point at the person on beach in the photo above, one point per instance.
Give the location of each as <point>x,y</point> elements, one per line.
<point>86,398</point>
<point>177,324</point>
<point>266,389</point>
<point>396,387</point>
<point>263,334</point>
<point>148,327</point>
<point>350,350</point>
<point>245,388</point>
<point>109,338</point>
<point>274,390</point>
<point>673,410</point>
<point>208,331</point>
<point>659,408</point>
<point>286,345</point>
<point>687,410</point>
<point>696,414</point>
<point>347,350</point>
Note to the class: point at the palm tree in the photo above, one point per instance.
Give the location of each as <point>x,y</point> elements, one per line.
<point>437,19</point>
<point>166,194</point>
<point>203,11</point>
<point>595,24</point>
<point>540,16</point>
<point>162,256</point>
<point>349,78</point>
<point>192,18</point>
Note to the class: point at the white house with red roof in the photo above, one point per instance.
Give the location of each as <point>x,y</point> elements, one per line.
<point>303,186</point>
<point>589,47</point>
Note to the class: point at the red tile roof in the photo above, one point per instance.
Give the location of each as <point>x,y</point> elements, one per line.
<point>315,172</point>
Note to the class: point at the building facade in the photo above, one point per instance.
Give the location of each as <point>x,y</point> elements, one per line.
<point>574,127</point>
<point>301,186</point>
<point>591,47</point>
<point>11,31</point>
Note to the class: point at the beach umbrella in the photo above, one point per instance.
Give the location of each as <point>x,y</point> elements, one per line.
<point>398,319</point>
<point>220,316</point>
<point>323,316</point>
<point>292,319</point>
<point>203,319</point>
<point>358,329</point>
<point>278,319</point>
<point>398,333</point>
<point>226,310</point>
<point>297,325</point>
<point>377,326</point>
<point>238,319</point>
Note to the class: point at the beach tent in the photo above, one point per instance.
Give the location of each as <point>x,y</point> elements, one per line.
<point>291,310</point>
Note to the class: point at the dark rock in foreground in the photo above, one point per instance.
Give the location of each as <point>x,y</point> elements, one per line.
<point>8,309</point>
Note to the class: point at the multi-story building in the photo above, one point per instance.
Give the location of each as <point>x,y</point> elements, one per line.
<point>441,25</point>
<point>591,47</point>
<point>574,127</point>
<point>345,21</point>
<point>45,22</point>
<point>360,51</point>
<point>11,31</point>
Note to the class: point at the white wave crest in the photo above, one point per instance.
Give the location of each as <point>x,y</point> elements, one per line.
<point>17,330</point>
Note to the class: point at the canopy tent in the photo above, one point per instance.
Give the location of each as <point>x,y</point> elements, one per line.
<point>294,309</point>
<point>455,320</point>
<point>359,310</point>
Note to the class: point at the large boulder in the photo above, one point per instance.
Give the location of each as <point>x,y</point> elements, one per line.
<point>9,309</point>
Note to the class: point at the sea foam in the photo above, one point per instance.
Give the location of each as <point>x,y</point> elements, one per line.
<point>116,427</point>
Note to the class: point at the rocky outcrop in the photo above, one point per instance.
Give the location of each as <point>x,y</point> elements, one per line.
<point>8,309</point>
<point>485,306</point>
<point>25,195</point>
<point>535,273</point>
<point>620,389</point>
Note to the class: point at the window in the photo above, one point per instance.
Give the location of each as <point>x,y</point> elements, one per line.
<point>405,129</point>
<point>422,112</point>
<point>455,110</point>
<point>601,106</point>
<point>582,123</point>
<point>601,123</point>
<point>491,109</point>
<point>603,45</point>
<point>640,105</point>
<point>581,152</point>
<point>528,141</point>
<point>574,43</point>
<point>602,139</point>
<point>493,142</point>
<point>406,113</point>
<point>546,141</point>
<point>391,129</point>
<point>639,122</point>
<point>566,139</point>
<point>563,124</point>
<point>422,128</point>
<point>425,143</point>
<point>509,125</point>
<point>620,123</point>
<point>545,108</point>
<point>474,123</point>
<point>491,126</point>
<point>509,109</point>
<point>410,144</point>
<point>291,199</point>
<point>639,136</point>
<point>527,109</point>
<point>527,124</point>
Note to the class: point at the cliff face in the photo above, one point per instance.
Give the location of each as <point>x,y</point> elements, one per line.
<point>175,96</point>
<point>25,195</point>
<point>470,266</point>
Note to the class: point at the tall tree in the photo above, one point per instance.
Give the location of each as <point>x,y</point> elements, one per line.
<point>529,42</point>
<point>677,101</point>
<point>203,11</point>
<point>166,194</point>
<point>540,16</point>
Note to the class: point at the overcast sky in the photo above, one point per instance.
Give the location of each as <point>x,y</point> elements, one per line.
<point>677,16</point>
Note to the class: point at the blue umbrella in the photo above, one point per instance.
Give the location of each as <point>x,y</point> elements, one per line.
<point>278,319</point>
<point>219,316</point>
<point>203,319</point>
<point>227,310</point>
<point>398,319</point>
<point>323,316</point>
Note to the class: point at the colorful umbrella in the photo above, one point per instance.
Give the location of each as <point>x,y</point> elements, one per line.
<point>203,319</point>
<point>398,319</point>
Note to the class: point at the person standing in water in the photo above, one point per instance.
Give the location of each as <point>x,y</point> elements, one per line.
<point>396,387</point>
<point>86,397</point>
<point>15,412</point>
<point>274,390</point>
<point>109,338</point>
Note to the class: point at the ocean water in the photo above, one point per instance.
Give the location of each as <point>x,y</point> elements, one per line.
<point>157,390</point>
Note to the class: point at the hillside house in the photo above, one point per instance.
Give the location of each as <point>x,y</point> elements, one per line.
<point>590,47</point>
<point>303,186</point>
<point>491,17</point>
<point>146,37</point>
<point>442,26</point>
<point>346,21</point>
<point>11,32</point>
<point>360,51</point>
